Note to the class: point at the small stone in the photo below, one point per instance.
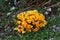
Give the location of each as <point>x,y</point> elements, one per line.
<point>8,13</point>
<point>54,26</point>
<point>58,9</point>
<point>44,7</point>
<point>9,3</point>
<point>13,16</point>
<point>13,8</point>
<point>49,9</point>
<point>46,13</point>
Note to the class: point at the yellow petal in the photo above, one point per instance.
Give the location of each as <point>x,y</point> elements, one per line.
<point>18,22</point>
<point>16,28</point>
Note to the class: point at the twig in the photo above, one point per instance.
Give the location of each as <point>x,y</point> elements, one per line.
<point>56,5</point>
<point>20,10</point>
<point>48,2</point>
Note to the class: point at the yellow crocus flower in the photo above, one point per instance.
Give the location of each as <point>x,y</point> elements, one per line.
<point>28,19</point>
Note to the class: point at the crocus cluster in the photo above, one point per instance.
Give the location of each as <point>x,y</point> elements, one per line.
<point>30,21</point>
